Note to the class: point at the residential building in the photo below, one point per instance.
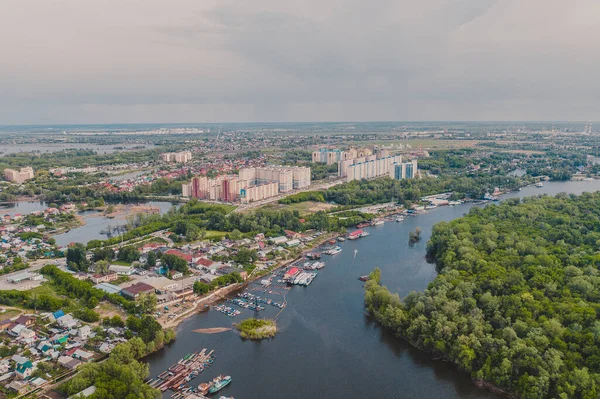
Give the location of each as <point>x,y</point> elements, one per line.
<point>135,290</point>
<point>84,332</point>
<point>368,167</point>
<point>406,170</point>
<point>104,278</point>
<point>121,270</point>
<point>330,157</point>
<point>18,176</point>
<point>177,157</point>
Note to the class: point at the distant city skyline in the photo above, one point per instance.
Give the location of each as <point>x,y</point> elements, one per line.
<point>227,61</point>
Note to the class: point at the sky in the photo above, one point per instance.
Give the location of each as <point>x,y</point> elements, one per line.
<point>194,61</point>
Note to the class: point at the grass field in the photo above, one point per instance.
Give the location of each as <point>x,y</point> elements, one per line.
<point>9,314</point>
<point>120,263</point>
<point>45,289</point>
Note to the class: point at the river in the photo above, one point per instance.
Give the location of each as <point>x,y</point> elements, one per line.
<point>96,223</point>
<point>326,347</point>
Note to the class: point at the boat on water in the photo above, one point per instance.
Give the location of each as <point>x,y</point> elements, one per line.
<point>361,225</point>
<point>364,278</point>
<point>378,222</point>
<point>334,251</point>
<point>331,242</point>
<point>400,219</point>
<point>539,184</point>
<point>341,239</point>
<point>355,234</point>
<point>364,234</point>
<point>219,383</point>
<point>313,256</point>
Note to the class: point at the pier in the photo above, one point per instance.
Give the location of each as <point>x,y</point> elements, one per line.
<point>178,376</point>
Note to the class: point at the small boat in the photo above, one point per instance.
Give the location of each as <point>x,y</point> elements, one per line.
<point>361,225</point>
<point>341,239</point>
<point>400,219</point>
<point>219,383</point>
<point>334,251</point>
<point>378,222</point>
<point>364,278</point>
<point>331,242</point>
<point>313,256</point>
<point>539,184</point>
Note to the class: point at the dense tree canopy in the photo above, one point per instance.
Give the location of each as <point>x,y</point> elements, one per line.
<point>517,297</point>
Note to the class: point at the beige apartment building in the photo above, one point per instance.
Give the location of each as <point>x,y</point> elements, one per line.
<point>177,157</point>
<point>19,176</point>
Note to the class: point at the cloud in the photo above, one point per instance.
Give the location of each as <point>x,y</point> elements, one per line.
<point>68,61</point>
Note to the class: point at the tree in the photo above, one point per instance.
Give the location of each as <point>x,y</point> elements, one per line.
<point>146,303</point>
<point>101,266</point>
<point>76,257</point>
<point>151,261</point>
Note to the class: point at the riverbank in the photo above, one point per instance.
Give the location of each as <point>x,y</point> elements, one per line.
<point>202,303</point>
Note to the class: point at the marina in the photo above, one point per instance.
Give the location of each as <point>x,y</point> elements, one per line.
<point>178,377</point>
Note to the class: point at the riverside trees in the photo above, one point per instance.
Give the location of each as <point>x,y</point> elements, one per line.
<point>517,297</point>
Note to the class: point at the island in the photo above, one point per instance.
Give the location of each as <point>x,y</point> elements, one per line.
<point>257,328</point>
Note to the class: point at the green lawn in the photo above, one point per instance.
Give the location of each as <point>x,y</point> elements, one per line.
<point>120,263</point>
<point>45,289</point>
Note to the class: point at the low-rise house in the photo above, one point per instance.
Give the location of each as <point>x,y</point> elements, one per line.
<point>89,391</point>
<point>83,355</point>
<point>106,347</point>
<point>27,321</point>
<point>84,332</point>
<point>26,333</point>
<point>16,330</point>
<point>135,290</point>
<point>69,362</point>
<point>24,370</point>
<point>66,321</point>
<point>17,386</point>
<point>104,278</point>
<point>121,270</point>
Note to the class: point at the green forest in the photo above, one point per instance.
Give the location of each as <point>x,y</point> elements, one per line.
<point>516,300</point>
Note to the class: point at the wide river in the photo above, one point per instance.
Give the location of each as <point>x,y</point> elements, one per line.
<point>326,346</point>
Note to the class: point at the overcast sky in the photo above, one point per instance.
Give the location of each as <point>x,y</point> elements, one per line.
<point>105,61</point>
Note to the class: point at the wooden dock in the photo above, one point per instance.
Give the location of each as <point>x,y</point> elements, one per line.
<point>178,376</point>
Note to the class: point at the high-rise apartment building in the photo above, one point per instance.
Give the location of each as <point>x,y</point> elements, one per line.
<point>251,184</point>
<point>177,157</point>
<point>368,167</point>
<point>406,170</point>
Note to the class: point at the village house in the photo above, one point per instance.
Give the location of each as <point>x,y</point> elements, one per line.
<point>121,270</point>
<point>84,332</point>
<point>104,278</point>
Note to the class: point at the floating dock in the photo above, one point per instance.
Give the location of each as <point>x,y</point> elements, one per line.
<point>177,377</point>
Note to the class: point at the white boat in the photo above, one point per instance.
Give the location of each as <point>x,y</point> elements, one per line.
<point>378,222</point>
<point>341,239</point>
<point>364,234</point>
<point>539,184</point>
<point>334,251</point>
<point>400,219</point>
